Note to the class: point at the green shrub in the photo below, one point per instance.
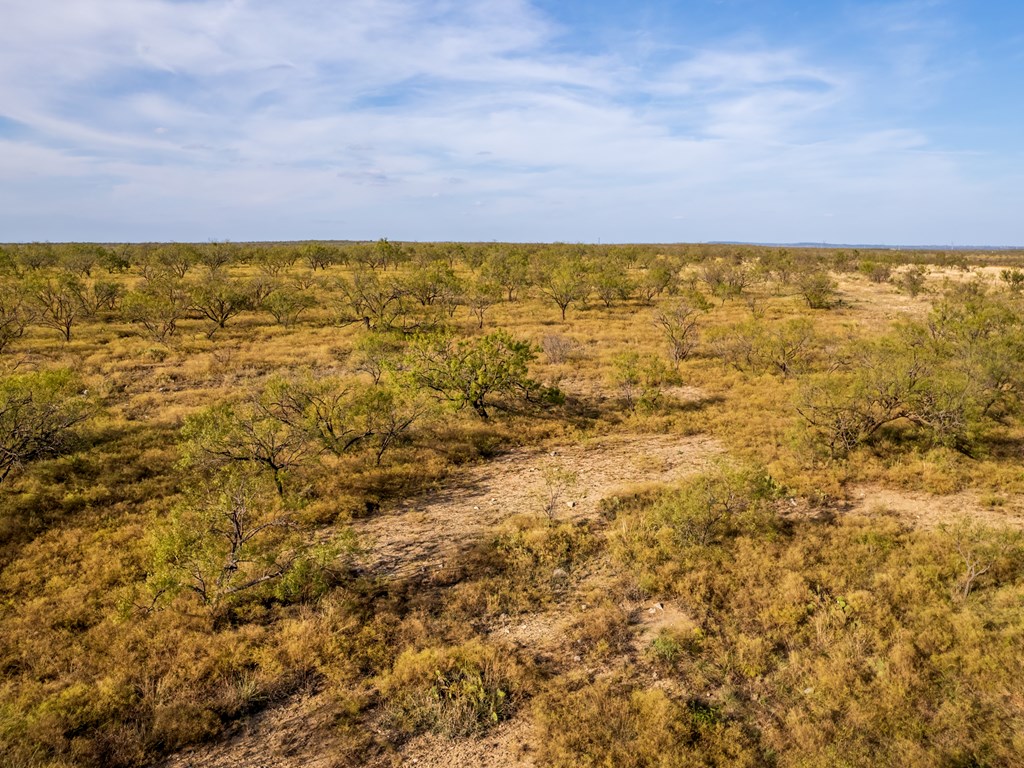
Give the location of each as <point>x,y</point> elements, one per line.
<point>39,412</point>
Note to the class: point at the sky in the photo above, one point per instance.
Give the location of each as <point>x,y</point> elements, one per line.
<point>513,120</point>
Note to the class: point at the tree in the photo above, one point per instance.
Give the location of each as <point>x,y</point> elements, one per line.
<point>256,432</point>
<point>659,276</point>
<point>1014,279</point>
<point>386,414</point>
<point>379,303</point>
<point>680,325</point>
<point>509,268</point>
<point>390,254</point>
<point>58,302</point>
<point>375,353</point>
<point>286,302</point>
<point>912,279</point>
<point>116,258</point>
<point>611,280</point>
<point>564,278</point>
<point>726,278</point>
<point>318,255</point>
<point>9,265</point>
<point>15,313</point>
<point>433,283</point>
<point>38,415</point>
<point>216,254</point>
<point>228,535</point>
<point>472,372</point>
<point>78,258</point>
<point>480,296</point>
<point>37,256</point>
<point>174,258</point>
<point>978,333</point>
<point>99,295</point>
<point>557,482</point>
<point>218,300</point>
<point>780,264</point>
<point>875,271</point>
<point>640,379</point>
<point>344,415</point>
<point>980,550</point>
<point>272,261</point>
<point>259,288</point>
<point>158,305</point>
<point>785,347</point>
<point>319,408</point>
<point>898,379</point>
<point>713,505</point>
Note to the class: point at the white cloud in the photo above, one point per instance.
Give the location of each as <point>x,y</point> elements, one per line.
<point>256,119</point>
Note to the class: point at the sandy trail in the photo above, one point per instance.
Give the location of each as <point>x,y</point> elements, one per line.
<point>435,530</point>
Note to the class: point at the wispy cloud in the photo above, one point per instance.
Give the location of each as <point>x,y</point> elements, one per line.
<point>438,119</point>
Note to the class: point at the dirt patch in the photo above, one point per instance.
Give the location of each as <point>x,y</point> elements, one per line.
<point>505,746</point>
<point>880,302</point>
<point>295,734</point>
<point>924,510</point>
<point>426,533</point>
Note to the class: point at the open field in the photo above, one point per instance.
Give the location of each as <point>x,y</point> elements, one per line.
<point>510,505</point>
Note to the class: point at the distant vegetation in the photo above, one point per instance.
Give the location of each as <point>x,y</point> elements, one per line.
<point>192,434</point>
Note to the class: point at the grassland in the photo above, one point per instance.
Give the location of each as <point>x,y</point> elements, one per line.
<point>375,503</point>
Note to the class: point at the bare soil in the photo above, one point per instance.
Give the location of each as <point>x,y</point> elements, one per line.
<point>435,530</point>
<point>923,510</point>
<point>295,734</point>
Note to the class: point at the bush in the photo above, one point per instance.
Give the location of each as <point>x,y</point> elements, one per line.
<point>559,348</point>
<point>231,535</point>
<point>640,380</point>
<point>38,415</point>
<point>472,372</point>
<point>783,348</point>
<point>819,290</point>
<point>876,272</point>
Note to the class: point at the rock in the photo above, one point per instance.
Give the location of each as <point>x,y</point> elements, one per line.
<point>570,504</point>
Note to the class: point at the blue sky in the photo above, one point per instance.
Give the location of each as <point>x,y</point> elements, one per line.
<point>775,121</point>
